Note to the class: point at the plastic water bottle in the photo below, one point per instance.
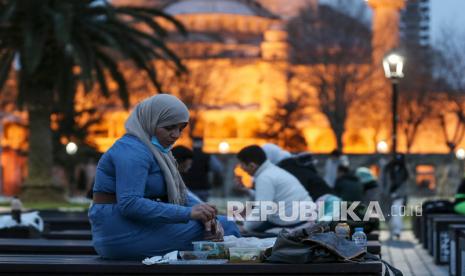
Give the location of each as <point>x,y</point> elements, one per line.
<point>359,238</point>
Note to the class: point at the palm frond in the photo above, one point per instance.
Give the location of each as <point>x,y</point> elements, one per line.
<point>54,37</point>
<point>116,76</point>
<point>6,58</point>
<point>7,10</point>
<point>62,22</point>
<point>101,79</point>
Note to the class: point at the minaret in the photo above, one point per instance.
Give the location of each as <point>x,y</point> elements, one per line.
<point>386,18</point>
<point>275,45</point>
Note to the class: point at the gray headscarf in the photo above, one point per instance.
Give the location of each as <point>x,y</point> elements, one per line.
<point>160,111</point>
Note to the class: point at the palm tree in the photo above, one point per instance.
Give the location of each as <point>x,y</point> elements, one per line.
<point>62,43</point>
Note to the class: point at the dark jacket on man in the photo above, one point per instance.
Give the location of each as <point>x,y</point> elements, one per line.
<point>349,188</point>
<point>197,176</point>
<point>301,166</point>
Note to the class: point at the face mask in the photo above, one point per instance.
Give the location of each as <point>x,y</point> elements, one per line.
<point>157,144</point>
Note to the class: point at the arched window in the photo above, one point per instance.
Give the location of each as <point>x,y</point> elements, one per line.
<point>249,127</point>
<point>229,128</point>
<point>199,129</point>
<point>354,142</point>
<point>213,130</point>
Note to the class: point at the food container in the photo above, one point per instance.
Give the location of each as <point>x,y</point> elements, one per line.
<point>245,255</point>
<point>194,255</point>
<point>218,250</point>
<point>221,251</point>
<point>204,246</point>
<point>229,244</point>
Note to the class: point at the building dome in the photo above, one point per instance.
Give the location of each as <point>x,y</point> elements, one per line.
<point>236,7</point>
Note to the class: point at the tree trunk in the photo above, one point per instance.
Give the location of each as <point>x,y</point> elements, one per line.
<point>39,184</point>
<point>340,143</point>
<point>339,129</point>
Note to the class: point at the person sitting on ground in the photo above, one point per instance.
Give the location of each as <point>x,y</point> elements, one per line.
<point>141,207</point>
<point>328,212</point>
<point>347,186</point>
<point>183,156</point>
<point>331,165</point>
<point>301,166</point>
<point>205,171</point>
<point>371,189</point>
<point>16,209</point>
<point>271,184</point>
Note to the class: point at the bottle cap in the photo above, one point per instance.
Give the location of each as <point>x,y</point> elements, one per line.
<point>359,229</point>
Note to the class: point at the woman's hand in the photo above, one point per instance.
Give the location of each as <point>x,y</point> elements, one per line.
<point>213,230</point>
<point>203,212</point>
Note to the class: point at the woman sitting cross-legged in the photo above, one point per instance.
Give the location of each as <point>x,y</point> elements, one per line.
<point>141,207</point>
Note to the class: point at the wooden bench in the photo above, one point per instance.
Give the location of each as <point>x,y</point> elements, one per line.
<point>57,221</point>
<point>73,247</point>
<point>68,235</point>
<point>460,264</point>
<point>423,231</point>
<point>454,230</point>
<point>87,235</point>
<point>432,221</point>
<point>416,227</point>
<point>19,232</point>
<point>84,264</point>
<point>431,207</point>
<point>42,246</point>
<point>373,236</point>
<point>441,238</point>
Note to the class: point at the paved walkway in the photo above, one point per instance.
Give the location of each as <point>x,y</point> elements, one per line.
<point>409,256</point>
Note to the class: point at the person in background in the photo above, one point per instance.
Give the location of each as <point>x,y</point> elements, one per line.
<point>371,189</point>
<point>141,207</point>
<point>204,169</point>
<point>271,184</point>
<point>301,166</point>
<point>16,209</point>
<point>331,167</point>
<point>348,186</point>
<point>183,156</point>
<point>275,154</point>
<point>395,176</point>
<point>329,212</point>
<point>81,181</point>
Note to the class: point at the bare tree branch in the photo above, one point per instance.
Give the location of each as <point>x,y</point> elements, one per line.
<point>338,46</point>
<point>450,65</point>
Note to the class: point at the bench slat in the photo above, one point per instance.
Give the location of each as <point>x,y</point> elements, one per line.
<point>95,265</point>
<point>42,246</point>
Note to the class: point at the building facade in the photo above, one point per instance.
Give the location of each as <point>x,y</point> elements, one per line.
<point>238,55</point>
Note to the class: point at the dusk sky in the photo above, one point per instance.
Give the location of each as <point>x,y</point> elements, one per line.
<point>445,13</point>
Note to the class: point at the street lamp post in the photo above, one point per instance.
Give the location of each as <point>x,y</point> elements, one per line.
<point>393,65</point>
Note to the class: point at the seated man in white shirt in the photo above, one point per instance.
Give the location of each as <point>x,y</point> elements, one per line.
<point>272,184</point>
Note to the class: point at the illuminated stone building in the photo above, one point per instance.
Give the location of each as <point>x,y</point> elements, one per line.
<point>240,47</point>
